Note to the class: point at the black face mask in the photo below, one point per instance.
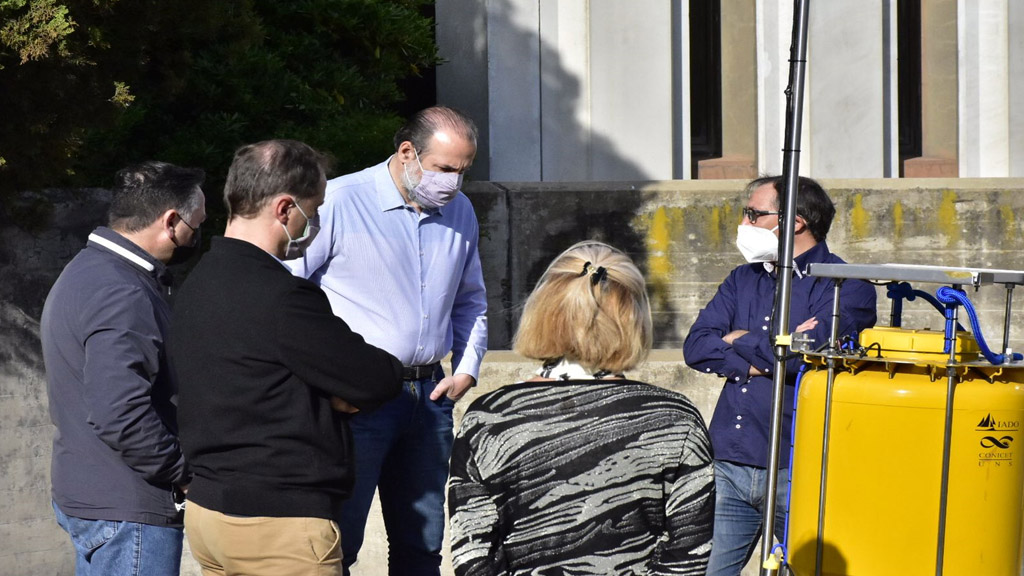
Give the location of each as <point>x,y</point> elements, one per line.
<point>182,254</point>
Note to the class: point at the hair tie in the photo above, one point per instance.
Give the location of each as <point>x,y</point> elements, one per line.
<point>596,274</point>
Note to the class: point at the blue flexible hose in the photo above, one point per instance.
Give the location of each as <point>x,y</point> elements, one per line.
<point>948,295</point>
<point>903,290</point>
<point>792,438</point>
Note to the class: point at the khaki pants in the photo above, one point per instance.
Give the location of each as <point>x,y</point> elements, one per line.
<point>262,546</point>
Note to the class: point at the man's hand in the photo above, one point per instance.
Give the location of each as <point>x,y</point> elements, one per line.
<point>732,336</point>
<point>339,405</point>
<point>806,325</point>
<point>454,387</point>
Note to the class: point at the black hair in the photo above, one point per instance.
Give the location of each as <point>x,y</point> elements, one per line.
<point>812,203</point>
<point>142,192</point>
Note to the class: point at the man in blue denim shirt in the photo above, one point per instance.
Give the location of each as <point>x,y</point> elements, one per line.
<point>117,466</point>
<point>732,337</point>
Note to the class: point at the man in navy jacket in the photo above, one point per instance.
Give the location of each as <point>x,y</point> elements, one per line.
<point>116,463</point>
<point>732,337</point>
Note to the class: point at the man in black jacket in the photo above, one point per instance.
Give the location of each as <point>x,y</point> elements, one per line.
<point>117,466</point>
<point>267,376</point>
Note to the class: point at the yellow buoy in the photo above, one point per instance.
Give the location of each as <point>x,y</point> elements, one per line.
<point>884,467</point>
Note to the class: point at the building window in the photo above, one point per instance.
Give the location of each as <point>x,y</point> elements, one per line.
<point>705,81</point>
<point>908,39</point>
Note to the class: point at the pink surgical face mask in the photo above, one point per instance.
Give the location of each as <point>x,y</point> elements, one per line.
<point>434,189</point>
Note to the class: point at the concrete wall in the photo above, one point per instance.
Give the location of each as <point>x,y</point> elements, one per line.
<point>681,233</point>
<point>1016,89</point>
<point>845,96</point>
<point>549,84</point>
<point>597,90</point>
<point>30,260</point>
<point>985,88</point>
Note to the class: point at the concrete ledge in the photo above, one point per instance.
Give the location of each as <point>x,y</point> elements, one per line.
<point>930,167</point>
<point>664,368</point>
<point>727,167</point>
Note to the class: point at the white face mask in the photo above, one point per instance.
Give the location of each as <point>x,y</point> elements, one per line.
<point>297,246</point>
<point>757,244</point>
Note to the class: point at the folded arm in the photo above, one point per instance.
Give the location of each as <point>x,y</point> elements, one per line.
<point>326,354</point>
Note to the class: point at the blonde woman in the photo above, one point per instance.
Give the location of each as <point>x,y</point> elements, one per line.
<point>580,470</point>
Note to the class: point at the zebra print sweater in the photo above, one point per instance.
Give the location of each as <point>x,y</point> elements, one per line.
<point>581,477</point>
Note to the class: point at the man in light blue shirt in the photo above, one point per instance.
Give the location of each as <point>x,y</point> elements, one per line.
<point>397,256</point>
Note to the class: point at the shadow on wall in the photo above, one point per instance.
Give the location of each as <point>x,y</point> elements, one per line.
<point>35,244</point>
<point>568,149</point>
<point>40,232</point>
<point>541,223</point>
<point>541,229</point>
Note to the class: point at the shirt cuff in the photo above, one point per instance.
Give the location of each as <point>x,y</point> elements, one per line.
<point>469,362</point>
<point>746,347</point>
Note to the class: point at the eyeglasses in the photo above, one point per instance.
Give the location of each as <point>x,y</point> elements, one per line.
<point>185,222</point>
<point>753,214</point>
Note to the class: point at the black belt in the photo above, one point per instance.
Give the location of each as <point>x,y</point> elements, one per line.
<point>419,372</point>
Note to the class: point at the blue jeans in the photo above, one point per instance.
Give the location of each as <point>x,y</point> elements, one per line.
<point>739,506</point>
<point>105,547</point>
<point>403,449</point>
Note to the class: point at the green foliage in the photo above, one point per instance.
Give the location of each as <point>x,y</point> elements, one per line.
<point>34,28</point>
<point>93,85</point>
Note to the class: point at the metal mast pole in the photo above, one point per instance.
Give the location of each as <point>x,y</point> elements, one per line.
<point>790,174</point>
